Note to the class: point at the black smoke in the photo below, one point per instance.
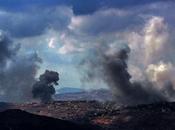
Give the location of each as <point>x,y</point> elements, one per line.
<point>44,88</point>
<point>169,91</point>
<point>7,49</point>
<point>113,69</point>
<point>17,71</point>
<point>116,73</point>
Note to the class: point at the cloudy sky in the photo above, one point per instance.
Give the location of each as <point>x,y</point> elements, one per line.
<point>65,34</point>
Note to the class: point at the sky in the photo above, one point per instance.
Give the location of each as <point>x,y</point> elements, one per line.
<point>65,34</point>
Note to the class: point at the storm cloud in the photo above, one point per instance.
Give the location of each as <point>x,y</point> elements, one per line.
<point>79,7</point>
<point>28,24</point>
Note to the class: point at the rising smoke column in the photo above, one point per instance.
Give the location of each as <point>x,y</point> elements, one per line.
<point>17,72</point>
<point>44,88</point>
<point>147,75</point>
<point>112,68</point>
<point>116,69</point>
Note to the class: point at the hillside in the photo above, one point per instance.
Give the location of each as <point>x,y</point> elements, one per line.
<point>21,120</point>
<point>108,116</point>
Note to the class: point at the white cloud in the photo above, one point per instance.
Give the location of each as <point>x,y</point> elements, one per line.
<point>69,48</point>
<point>151,42</point>
<point>161,73</point>
<point>102,21</point>
<point>51,43</point>
<point>156,37</point>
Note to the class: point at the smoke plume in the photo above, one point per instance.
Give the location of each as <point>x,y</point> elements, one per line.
<point>113,69</point>
<point>17,72</point>
<point>44,88</point>
<point>7,49</point>
<point>141,69</point>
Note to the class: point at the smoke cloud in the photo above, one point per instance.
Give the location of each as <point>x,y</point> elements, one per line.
<point>17,72</point>
<point>154,57</point>
<point>7,50</point>
<point>139,71</point>
<point>44,88</point>
<point>113,69</point>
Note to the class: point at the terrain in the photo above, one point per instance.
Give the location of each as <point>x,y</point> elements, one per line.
<point>21,120</point>
<point>106,116</point>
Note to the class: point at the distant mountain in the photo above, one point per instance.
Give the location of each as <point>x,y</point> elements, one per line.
<point>69,90</point>
<point>98,95</point>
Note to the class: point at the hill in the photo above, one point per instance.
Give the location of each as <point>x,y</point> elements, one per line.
<point>21,120</point>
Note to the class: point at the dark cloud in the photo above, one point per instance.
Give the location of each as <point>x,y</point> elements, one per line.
<point>7,49</point>
<point>116,20</point>
<point>33,23</point>
<point>44,88</point>
<point>79,6</point>
<point>87,7</point>
<point>17,72</point>
<point>31,18</point>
